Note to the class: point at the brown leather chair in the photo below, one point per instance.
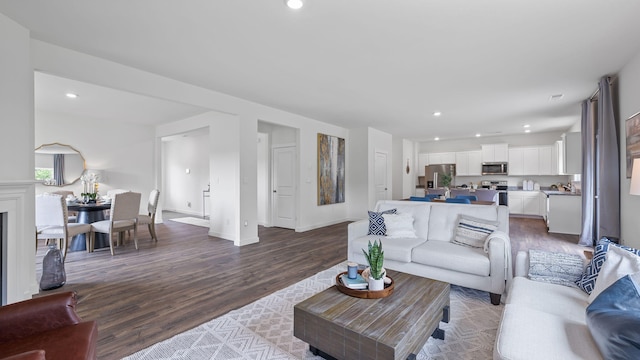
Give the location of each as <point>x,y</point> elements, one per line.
<point>46,328</point>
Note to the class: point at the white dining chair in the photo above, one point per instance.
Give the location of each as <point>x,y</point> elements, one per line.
<point>124,214</point>
<point>150,218</point>
<point>52,222</point>
<point>73,216</point>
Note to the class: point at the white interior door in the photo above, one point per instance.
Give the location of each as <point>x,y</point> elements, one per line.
<point>380,175</point>
<point>284,189</point>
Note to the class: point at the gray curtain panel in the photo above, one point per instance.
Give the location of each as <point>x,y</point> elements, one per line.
<point>588,233</point>
<point>58,168</point>
<point>608,166</point>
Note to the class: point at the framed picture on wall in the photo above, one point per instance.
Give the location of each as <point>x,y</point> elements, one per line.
<point>632,127</point>
<point>331,163</point>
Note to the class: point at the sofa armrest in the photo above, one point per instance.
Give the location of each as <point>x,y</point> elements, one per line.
<point>29,355</point>
<point>37,315</point>
<point>498,247</point>
<point>355,230</point>
<point>522,264</point>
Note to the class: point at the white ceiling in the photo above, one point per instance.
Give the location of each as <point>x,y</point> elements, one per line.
<point>490,66</point>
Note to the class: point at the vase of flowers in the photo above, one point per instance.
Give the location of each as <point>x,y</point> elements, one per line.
<point>375,259</point>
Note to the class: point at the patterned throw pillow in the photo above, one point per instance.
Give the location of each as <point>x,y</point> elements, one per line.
<point>376,222</point>
<point>555,268</point>
<point>473,232</point>
<point>588,279</point>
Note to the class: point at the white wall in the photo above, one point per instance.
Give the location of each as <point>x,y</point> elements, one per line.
<point>264,156</point>
<point>82,67</point>
<point>629,95</point>
<point>17,188</point>
<point>124,152</point>
<point>358,175</point>
<point>183,191</point>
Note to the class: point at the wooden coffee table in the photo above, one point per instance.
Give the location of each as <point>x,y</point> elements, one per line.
<point>339,326</point>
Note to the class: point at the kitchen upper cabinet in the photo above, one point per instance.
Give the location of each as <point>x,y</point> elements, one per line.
<point>572,153</point>
<point>469,163</point>
<point>423,160</point>
<point>533,161</point>
<point>530,158</point>
<point>442,158</point>
<point>516,164</point>
<point>495,153</point>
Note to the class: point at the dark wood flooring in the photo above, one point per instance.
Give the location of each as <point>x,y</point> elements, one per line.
<point>140,297</point>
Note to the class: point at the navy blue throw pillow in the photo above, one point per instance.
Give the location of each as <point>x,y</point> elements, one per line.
<point>614,319</point>
<point>376,222</point>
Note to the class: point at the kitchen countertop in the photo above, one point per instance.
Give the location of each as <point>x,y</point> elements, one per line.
<point>563,193</point>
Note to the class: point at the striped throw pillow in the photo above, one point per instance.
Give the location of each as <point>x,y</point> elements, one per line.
<point>473,232</point>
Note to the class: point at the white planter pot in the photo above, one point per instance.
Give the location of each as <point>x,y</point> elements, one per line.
<point>376,285</point>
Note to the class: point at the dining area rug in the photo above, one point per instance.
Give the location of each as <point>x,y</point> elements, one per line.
<point>264,328</point>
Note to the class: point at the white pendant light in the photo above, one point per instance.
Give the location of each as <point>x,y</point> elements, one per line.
<point>294,4</point>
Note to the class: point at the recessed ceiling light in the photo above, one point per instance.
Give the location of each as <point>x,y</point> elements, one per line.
<point>437,113</point>
<point>71,95</point>
<point>294,4</point>
<point>436,138</point>
<point>528,131</point>
<point>526,126</point>
<point>478,135</point>
<point>556,97</point>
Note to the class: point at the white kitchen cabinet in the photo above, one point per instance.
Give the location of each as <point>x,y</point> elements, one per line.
<point>423,160</point>
<point>495,153</point>
<point>572,153</point>
<point>560,157</point>
<point>565,214</point>
<point>537,160</point>
<point>516,164</point>
<point>475,163</point>
<point>525,203</point>
<point>530,158</point>
<point>469,163</point>
<point>442,158</point>
<point>546,161</point>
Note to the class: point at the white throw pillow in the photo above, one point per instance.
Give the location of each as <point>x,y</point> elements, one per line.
<point>399,225</point>
<point>618,263</point>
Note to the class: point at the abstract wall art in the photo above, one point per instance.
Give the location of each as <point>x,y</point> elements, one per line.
<point>331,169</point>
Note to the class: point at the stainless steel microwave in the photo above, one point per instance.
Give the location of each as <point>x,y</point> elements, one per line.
<point>498,168</point>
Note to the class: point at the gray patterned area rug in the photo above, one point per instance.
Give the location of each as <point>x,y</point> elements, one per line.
<point>264,328</point>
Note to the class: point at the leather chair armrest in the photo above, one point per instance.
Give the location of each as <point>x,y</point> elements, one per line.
<point>37,315</point>
<point>29,355</point>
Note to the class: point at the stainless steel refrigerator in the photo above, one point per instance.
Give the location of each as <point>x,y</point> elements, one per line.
<point>434,175</point>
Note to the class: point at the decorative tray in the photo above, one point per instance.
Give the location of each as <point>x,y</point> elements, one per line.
<point>364,294</point>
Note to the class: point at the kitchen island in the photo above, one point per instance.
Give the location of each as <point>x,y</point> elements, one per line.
<point>564,212</point>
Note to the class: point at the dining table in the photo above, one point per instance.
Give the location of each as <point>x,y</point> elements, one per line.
<point>87,214</point>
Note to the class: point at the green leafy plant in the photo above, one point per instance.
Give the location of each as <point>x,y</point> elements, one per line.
<point>375,258</point>
<point>446,180</point>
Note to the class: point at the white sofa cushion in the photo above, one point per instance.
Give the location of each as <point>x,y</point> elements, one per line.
<point>452,257</point>
<point>444,218</point>
<point>528,333</point>
<point>618,263</point>
<point>399,225</point>
<point>417,209</point>
<point>559,300</point>
<point>398,249</point>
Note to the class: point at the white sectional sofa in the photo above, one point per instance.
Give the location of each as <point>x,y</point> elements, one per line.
<point>433,255</point>
<point>543,321</point>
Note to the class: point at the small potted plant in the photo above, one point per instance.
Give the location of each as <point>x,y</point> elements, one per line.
<point>375,258</point>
